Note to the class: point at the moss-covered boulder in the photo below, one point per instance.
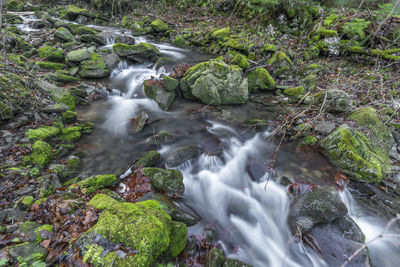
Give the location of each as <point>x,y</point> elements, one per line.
<point>24,203</point>
<point>42,133</point>
<point>182,155</point>
<point>179,41</point>
<point>309,82</point>
<point>81,30</point>
<point>94,67</point>
<point>71,134</point>
<point>6,111</point>
<point>156,91</point>
<point>260,79</point>
<point>148,159</point>
<point>159,26</point>
<point>29,254</point>
<point>238,59</point>
<point>62,77</point>
<point>143,226</point>
<point>378,132</point>
<point>69,116</point>
<point>141,52</point>
<point>165,180</point>
<point>51,53</point>
<point>315,207</point>
<point>72,12</point>
<point>14,5</point>
<point>42,153</point>
<point>78,55</point>
<point>50,65</point>
<point>170,84</point>
<point>356,155</point>
<point>281,63</point>
<point>215,83</point>
<point>64,34</point>
<point>220,34</point>
<point>336,101</point>
<point>94,183</point>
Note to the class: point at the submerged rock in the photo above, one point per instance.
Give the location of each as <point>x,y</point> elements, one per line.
<point>315,207</point>
<point>215,83</point>
<point>142,227</point>
<point>356,155</point>
<point>181,155</point>
<point>165,180</point>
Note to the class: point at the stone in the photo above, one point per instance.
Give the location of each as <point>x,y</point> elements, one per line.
<point>182,155</point>
<point>124,39</point>
<point>148,159</point>
<point>62,77</point>
<point>139,122</point>
<point>336,101</point>
<point>324,128</point>
<point>65,35</point>
<point>165,180</point>
<point>294,91</point>
<point>42,153</point>
<point>42,133</point>
<point>96,38</point>
<point>170,84</point>
<point>94,183</point>
<point>163,137</point>
<point>214,258</point>
<point>159,26</point>
<point>315,207</point>
<point>55,108</point>
<point>238,59</point>
<point>156,91</point>
<point>141,52</point>
<point>355,155</point>
<point>179,41</point>
<point>49,183</point>
<point>51,53</point>
<point>220,34</point>
<point>309,82</point>
<point>27,252</point>
<point>112,60</point>
<point>81,30</point>
<point>260,79</point>
<point>50,65</point>
<point>69,116</point>
<point>215,83</point>
<point>78,55</point>
<point>94,67</point>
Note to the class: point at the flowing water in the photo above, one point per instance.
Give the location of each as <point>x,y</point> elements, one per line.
<point>231,185</point>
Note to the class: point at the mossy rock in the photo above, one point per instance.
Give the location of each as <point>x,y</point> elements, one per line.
<point>38,230</point>
<point>309,82</point>
<point>140,52</point>
<point>25,203</point>
<point>310,69</point>
<point>238,59</point>
<point>72,12</point>
<point>62,77</point>
<point>280,59</point>
<point>81,30</point>
<point>69,116</point>
<point>68,100</point>
<point>215,83</point>
<point>170,83</point>
<point>221,34</point>
<point>294,91</point>
<point>159,25</point>
<point>71,134</point>
<point>14,5</point>
<point>356,155</point>
<point>64,34</point>
<point>179,41</point>
<point>143,226</point>
<point>42,153</point>
<point>6,111</point>
<point>165,180</point>
<point>260,79</point>
<point>156,91</point>
<point>31,254</point>
<point>269,48</point>
<point>94,183</point>
<point>238,44</point>
<point>78,55</point>
<point>51,53</point>
<point>42,133</point>
<point>50,65</point>
<point>148,159</point>
<point>94,67</point>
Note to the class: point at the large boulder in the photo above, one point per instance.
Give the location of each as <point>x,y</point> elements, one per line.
<point>356,155</point>
<point>141,52</point>
<point>159,26</point>
<point>315,207</point>
<point>215,83</point>
<point>142,227</point>
<point>78,55</point>
<point>64,34</point>
<point>94,67</point>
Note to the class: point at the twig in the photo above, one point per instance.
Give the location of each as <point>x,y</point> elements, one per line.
<point>390,223</point>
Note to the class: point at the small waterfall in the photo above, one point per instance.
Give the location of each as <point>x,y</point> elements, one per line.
<point>110,41</point>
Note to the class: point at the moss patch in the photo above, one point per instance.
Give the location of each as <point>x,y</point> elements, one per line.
<point>42,133</point>
<point>260,79</point>
<point>97,182</point>
<point>42,153</point>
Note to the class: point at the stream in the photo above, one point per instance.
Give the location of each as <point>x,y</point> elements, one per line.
<point>231,185</point>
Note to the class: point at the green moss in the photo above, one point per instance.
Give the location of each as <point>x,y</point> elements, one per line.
<point>239,44</point>
<point>94,67</point>
<point>260,79</point>
<point>179,41</point>
<point>178,238</point>
<point>78,55</point>
<point>71,134</point>
<point>34,172</point>
<point>323,32</point>
<point>14,5</point>
<point>45,227</point>
<point>102,202</point>
<point>168,180</point>
<point>159,25</point>
<point>312,68</point>
<point>63,34</point>
<point>308,140</point>
<point>51,53</point>
<point>330,19</point>
<point>17,59</point>
<point>50,65</point>
<point>280,59</point>
<point>42,153</point>
<point>355,29</point>
<point>269,48</point>
<point>6,111</point>
<point>42,133</point>
<point>68,100</point>
<point>294,91</point>
<point>356,155</point>
<point>238,59</point>
<point>170,83</point>
<point>97,182</point>
<point>221,34</point>
<point>60,76</point>
<point>25,203</point>
<point>149,159</point>
<point>69,116</point>
<point>81,30</point>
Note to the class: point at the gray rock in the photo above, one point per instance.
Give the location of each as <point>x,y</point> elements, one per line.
<point>40,24</point>
<point>215,258</point>
<point>29,252</point>
<point>139,122</point>
<point>124,39</point>
<point>78,55</point>
<point>394,154</point>
<point>80,19</point>
<point>156,91</point>
<point>396,136</point>
<point>181,155</point>
<point>13,215</point>
<point>56,108</point>
<point>324,128</point>
<point>314,207</point>
<point>336,101</point>
<point>18,123</point>
<point>164,180</point>
<point>112,60</point>
<point>163,137</point>
<point>64,34</point>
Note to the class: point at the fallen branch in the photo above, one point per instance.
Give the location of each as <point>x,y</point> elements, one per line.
<point>384,54</point>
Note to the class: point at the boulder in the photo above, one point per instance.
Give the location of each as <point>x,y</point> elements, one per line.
<point>315,207</point>
<point>220,34</point>
<point>65,35</point>
<point>159,26</point>
<point>51,53</point>
<point>356,155</point>
<point>165,180</point>
<point>78,55</point>
<point>170,84</point>
<point>181,155</point>
<point>336,101</point>
<point>215,83</point>
<point>143,227</point>
<point>42,153</point>
<point>94,67</point>
<point>141,52</point>
<point>260,79</point>
<point>156,91</point>
<point>148,159</point>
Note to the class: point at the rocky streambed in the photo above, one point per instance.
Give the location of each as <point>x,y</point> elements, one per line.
<point>121,149</point>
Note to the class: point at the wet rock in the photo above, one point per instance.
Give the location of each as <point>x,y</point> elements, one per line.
<point>141,52</point>
<point>49,183</point>
<point>156,91</point>
<point>148,159</point>
<point>55,108</point>
<point>28,253</point>
<point>81,30</point>
<point>12,215</point>
<point>124,39</point>
<point>335,101</point>
<point>170,83</point>
<point>163,137</point>
<point>315,207</point>
<point>324,128</point>
<point>64,35</point>
<point>51,53</point>
<point>142,226</point>
<point>356,155</point>
<point>40,24</point>
<point>95,38</point>
<point>215,83</point>
<point>215,258</point>
<point>94,183</point>
<point>165,180</point>
<point>235,263</point>
<point>181,155</point>
<point>69,116</point>
<point>338,240</point>
<point>94,67</point>
<point>139,122</point>
<point>260,79</point>
<point>78,55</point>
<point>112,60</point>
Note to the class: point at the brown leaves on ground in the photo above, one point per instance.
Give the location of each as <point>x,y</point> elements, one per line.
<point>134,186</point>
